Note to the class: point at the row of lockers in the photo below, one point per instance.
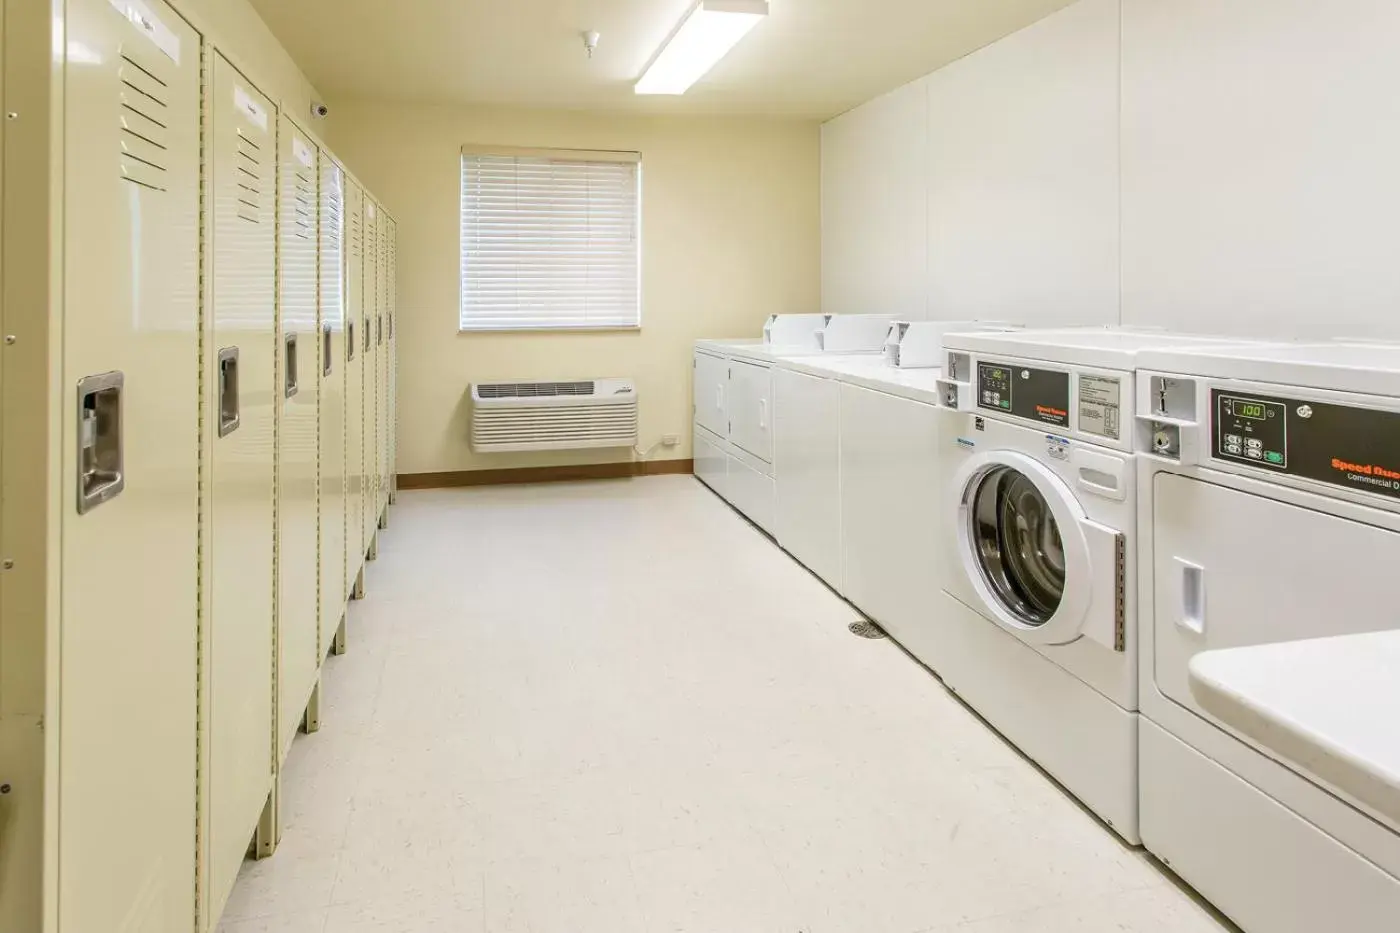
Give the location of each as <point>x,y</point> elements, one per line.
<point>213,355</point>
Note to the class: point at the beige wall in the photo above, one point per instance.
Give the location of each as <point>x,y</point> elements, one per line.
<point>731,233</point>
<point>237,30</point>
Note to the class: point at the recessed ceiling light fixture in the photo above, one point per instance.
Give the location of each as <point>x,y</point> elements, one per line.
<point>708,32</point>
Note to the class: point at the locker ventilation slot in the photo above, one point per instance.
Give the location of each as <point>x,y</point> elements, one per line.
<point>249,165</point>
<point>304,204</point>
<point>145,121</point>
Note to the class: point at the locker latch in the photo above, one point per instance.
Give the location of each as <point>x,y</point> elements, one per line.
<point>327,363</point>
<point>228,391</point>
<point>289,365</point>
<point>100,460</point>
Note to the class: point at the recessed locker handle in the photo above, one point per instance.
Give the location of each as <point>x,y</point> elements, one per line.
<point>369,337</point>
<point>327,363</point>
<point>378,329</point>
<point>719,397</point>
<point>289,365</point>
<point>1193,597</point>
<point>228,391</point>
<point>101,475</point>
<point>763,413</point>
<point>350,339</point>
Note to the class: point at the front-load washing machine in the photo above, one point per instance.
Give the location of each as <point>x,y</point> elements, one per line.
<point>1269,517</point>
<point>1035,630</point>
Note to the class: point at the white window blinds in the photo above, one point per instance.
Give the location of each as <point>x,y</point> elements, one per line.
<point>550,240</point>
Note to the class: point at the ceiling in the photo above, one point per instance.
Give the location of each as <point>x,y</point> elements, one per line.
<point>809,58</point>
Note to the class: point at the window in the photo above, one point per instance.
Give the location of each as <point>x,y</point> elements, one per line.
<point>550,240</point>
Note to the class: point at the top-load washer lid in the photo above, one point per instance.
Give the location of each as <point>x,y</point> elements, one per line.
<point>1118,348</point>
<point>1360,367</point>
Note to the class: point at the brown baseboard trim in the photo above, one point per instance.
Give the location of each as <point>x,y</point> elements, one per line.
<point>549,474</point>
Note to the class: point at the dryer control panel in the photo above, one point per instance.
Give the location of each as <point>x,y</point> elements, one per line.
<point>1342,445</point>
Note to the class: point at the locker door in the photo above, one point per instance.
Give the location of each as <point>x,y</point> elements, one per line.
<point>371,300</point>
<point>130,434</point>
<point>244,395</point>
<point>355,542</point>
<point>391,341</point>
<point>334,588</point>
<point>381,336</point>
<point>298,581</point>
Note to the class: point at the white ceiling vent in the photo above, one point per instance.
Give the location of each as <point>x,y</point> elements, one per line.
<point>512,416</point>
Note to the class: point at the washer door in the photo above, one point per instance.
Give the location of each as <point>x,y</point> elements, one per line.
<point>1042,570</point>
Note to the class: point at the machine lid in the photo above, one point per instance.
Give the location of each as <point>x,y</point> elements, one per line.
<point>1363,368</point>
<point>1103,347</point>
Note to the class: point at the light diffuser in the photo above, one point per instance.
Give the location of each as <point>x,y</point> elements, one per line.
<point>708,32</point>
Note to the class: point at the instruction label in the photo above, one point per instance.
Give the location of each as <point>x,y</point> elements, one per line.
<point>1099,409</point>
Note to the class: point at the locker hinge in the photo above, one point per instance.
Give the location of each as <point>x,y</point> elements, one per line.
<point>1120,633</point>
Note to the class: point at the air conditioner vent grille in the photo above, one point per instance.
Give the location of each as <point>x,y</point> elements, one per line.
<point>556,415</point>
<point>534,389</point>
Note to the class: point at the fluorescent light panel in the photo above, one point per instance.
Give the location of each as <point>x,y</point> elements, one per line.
<point>708,32</point>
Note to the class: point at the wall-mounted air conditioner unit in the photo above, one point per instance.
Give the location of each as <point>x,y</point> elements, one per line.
<point>511,416</point>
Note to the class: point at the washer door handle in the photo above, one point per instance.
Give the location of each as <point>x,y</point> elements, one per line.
<point>1192,617</point>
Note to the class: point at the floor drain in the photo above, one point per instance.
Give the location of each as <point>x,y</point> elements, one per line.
<point>866,629</point>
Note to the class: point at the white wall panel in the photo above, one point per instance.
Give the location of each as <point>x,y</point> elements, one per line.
<point>874,216</point>
<point>1023,175</point>
<point>1261,140</point>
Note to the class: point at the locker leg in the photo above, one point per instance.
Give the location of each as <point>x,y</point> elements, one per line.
<point>265,839</point>
<point>384,518</point>
<point>337,646</point>
<point>373,552</point>
<point>358,590</point>
<point>311,721</point>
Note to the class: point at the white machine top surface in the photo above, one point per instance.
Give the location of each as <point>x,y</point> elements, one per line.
<point>1326,704</point>
<point>1104,347</point>
<point>765,353</point>
<point>871,371</point>
<point>1372,368</point>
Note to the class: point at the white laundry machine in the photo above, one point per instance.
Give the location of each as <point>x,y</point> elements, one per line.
<point>1037,471</point>
<point>734,396</point>
<point>834,435</point>
<point>1269,513</point>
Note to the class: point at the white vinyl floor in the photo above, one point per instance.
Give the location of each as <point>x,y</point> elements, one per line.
<point>615,707</point>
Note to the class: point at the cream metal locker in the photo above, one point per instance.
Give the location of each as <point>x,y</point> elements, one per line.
<point>334,586</point>
<point>244,393</point>
<point>128,494</point>
<point>371,374</point>
<point>391,343</point>
<point>298,405</point>
<point>381,336</point>
<point>355,541</point>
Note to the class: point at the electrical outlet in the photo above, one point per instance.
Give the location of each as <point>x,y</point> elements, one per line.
<point>670,440</point>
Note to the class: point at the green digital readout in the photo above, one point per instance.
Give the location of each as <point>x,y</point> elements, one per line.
<point>1249,410</point>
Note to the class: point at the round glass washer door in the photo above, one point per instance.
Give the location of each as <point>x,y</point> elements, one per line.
<point>1017,545</point>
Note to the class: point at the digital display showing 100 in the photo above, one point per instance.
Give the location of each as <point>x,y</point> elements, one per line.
<point>1253,410</point>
